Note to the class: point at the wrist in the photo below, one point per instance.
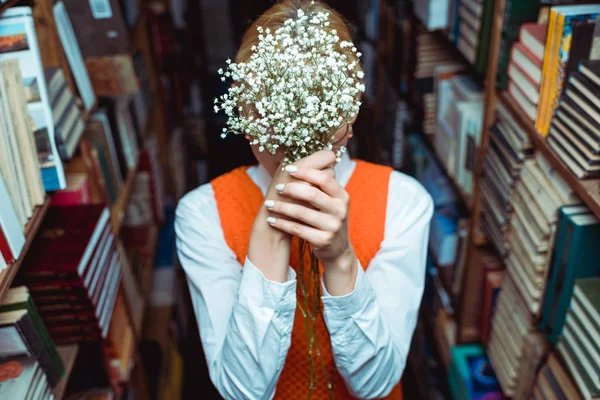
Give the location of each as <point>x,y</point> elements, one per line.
<point>339,275</point>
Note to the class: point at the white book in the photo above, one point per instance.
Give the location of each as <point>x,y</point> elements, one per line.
<point>73,53</point>
<point>10,227</point>
<point>18,388</point>
<point>17,26</point>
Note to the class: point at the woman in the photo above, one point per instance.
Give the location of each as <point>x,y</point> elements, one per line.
<point>237,242</point>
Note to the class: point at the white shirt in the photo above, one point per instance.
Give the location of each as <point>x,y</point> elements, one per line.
<point>246,320</point>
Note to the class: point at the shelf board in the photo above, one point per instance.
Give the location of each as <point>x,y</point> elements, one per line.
<point>68,354</point>
<point>8,275</point>
<point>587,189</point>
<point>8,4</point>
<point>118,209</point>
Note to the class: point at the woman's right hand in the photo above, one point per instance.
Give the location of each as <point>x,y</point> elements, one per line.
<point>269,248</point>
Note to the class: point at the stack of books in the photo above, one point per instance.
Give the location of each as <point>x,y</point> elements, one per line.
<point>470,375</point>
<point>575,130</point>
<point>17,31</point>
<point>25,335</point>
<point>470,16</point>
<point>73,271</point>
<point>68,122</point>
<point>515,346</point>
<point>571,33</point>
<point>525,68</point>
<point>120,342</point>
<point>536,200</point>
<point>431,53</point>
<point>458,128</point>
<point>474,29</point>
<point>579,345</point>
<point>554,381</point>
<point>509,147</point>
<point>576,255</point>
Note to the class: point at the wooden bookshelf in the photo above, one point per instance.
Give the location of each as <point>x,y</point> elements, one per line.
<point>588,189</point>
<point>8,275</point>
<point>68,355</point>
<point>8,4</point>
<point>117,212</point>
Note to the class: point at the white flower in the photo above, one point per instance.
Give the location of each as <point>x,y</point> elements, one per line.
<point>297,87</point>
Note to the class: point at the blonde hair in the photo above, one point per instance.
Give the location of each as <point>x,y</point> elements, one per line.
<point>275,17</point>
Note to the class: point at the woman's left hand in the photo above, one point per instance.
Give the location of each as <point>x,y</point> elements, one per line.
<point>324,225</point>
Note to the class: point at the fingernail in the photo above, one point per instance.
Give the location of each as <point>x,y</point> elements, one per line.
<point>291,169</point>
<point>271,220</point>
<point>269,203</point>
<point>279,187</point>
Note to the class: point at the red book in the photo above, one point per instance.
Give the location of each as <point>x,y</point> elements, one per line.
<point>12,238</point>
<point>77,191</point>
<point>521,99</point>
<point>528,62</point>
<point>533,38</point>
<point>530,89</point>
<point>65,244</point>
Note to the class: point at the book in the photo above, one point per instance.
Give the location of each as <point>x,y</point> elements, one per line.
<point>533,38</point>
<point>527,62</point>
<point>521,99</point>
<point>573,259</point>
<point>471,376</point>
<point>591,70</point>
<point>583,384</point>
<point>525,84</point>
<point>73,53</point>
<point>557,52</point>
<point>491,289</point>
<point>20,385</point>
<point>12,238</point>
<point>17,29</point>
<point>556,370</point>
<point>443,237</point>
<point>103,39</point>
<point>77,191</point>
<point>587,293</point>
<point>17,106</point>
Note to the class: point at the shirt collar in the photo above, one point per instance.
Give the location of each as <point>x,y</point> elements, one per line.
<point>343,172</point>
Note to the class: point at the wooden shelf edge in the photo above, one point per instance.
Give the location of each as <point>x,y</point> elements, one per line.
<point>68,355</point>
<point>8,275</point>
<point>8,4</point>
<point>588,190</point>
<point>118,209</point>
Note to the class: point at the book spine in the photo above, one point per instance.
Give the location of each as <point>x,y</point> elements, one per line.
<point>36,343</point>
<point>546,68</point>
<point>41,328</point>
<point>557,71</point>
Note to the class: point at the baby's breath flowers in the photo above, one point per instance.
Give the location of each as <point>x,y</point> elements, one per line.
<point>298,88</point>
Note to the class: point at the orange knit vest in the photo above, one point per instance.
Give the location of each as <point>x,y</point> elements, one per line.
<point>238,202</point>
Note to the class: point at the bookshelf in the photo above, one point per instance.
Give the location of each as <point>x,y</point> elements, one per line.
<point>8,275</point>
<point>68,355</point>
<point>587,189</point>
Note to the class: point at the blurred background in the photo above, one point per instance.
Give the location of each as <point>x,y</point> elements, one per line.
<point>493,105</point>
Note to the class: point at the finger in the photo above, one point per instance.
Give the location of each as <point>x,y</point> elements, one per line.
<point>311,235</point>
<point>319,160</point>
<point>314,218</point>
<point>310,194</point>
<point>319,178</point>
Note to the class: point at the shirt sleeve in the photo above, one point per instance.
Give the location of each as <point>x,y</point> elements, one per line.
<point>371,328</point>
<point>245,320</point>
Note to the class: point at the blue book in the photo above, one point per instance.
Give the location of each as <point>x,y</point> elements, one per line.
<point>471,375</point>
<point>576,256</point>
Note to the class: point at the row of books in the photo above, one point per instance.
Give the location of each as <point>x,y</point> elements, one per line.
<point>470,28</point>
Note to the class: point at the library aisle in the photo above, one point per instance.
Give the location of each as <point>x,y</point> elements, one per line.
<point>107,122</point>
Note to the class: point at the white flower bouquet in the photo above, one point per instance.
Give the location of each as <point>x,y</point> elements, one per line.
<point>297,90</point>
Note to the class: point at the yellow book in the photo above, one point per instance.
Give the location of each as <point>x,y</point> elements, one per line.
<point>548,53</point>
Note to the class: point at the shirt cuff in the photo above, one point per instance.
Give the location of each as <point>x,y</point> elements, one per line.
<point>256,288</point>
<point>351,303</point>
